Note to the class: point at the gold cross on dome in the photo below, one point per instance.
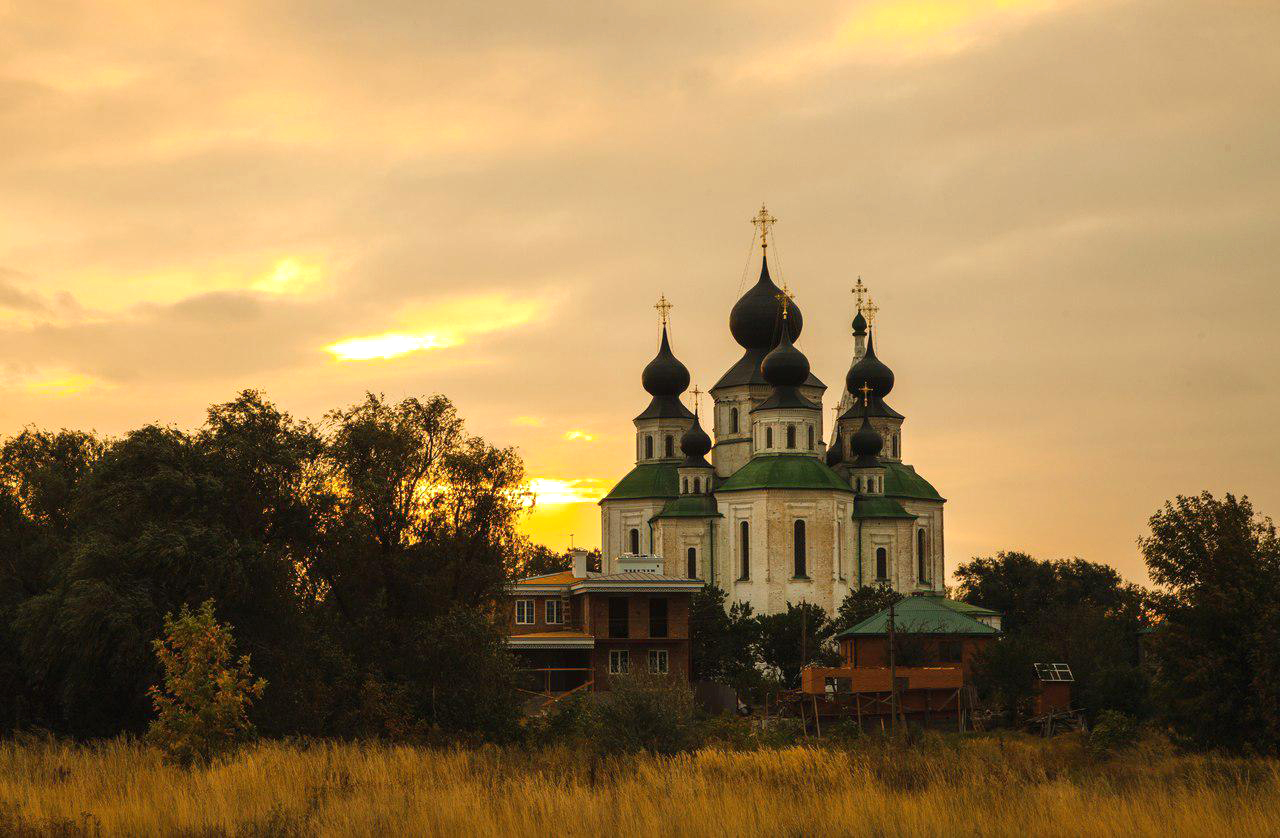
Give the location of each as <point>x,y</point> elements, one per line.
<point>864,390</point>
<point>663,307</point>
<point>786,298</point>
<point>764,221</point>
<point>697,397</point>
<point>859,294</point>
<point>869,311</point>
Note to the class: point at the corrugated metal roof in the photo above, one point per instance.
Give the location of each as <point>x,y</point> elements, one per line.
<point>920,615</point>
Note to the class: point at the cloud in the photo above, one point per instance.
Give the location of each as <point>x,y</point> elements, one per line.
<point>578,436</point>
<point>554,491</point>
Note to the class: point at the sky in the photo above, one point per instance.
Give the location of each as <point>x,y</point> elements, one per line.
<point>1066,211</point>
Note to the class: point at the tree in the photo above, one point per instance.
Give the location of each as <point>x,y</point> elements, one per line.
<point>795,638</point>
<point>202,709</point>
<point>647,711</point>
<point>1217,647</point>
<point>1070,610</point>
<point>862,603</point>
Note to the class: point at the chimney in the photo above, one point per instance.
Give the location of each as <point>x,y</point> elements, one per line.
<point>579,557</point>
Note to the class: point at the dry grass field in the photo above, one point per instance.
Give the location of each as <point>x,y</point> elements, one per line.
<point>977,786</point>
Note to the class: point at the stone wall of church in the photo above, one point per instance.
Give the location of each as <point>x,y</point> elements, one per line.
<point>675,537</point>
<point>929,520</point>
<point>770,515</point>
<point>617,519</point>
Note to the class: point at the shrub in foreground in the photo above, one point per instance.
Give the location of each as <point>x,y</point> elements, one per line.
<point>648,712</point>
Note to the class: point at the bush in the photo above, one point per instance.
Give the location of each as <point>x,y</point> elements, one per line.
<point>203,709</point>
<point>649,712</point>
<point>573,720</point>
<point>1114,731</point>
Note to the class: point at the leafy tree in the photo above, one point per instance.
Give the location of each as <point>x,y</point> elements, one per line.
<point>862,603</point>
<point>795,638</point>
<point>202,709</point>
<point>646,711</point>
<point>1217,647</point>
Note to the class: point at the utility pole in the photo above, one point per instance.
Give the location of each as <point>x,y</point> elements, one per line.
<point>893,676</point>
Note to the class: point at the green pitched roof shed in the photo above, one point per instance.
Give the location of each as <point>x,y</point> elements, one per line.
<point>647,480</point>
<point>784,471</point>
<point>921,615</point>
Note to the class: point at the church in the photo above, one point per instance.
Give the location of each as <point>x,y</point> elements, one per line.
<point>775,508</point>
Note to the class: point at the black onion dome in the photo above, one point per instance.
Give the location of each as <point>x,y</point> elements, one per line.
<point>785,366</point>
<point>870,371</point>
<point>835,453</point>
<point>756,317</point>
<point>859,324</point>
<point>865,444</point>
<point>665,375</point>
<point>695,444</point>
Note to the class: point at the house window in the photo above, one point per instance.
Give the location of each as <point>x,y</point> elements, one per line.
<point>744,549</point>
<point>811,437</point>
<point>768,437</point>
<point>882,564</point>
<point>799,551</point>
<point>555,612</point>
<point>524,612</point>
<point>619,661</point>
<point>693,562</point>
<point>733,420</point>
<point>669,446</point>
<point>635,542</point>
<point>619,619</point>
<point>922,559</point>
<point>791,436</point>
<point>657,617</point>
<point>648,447</point>
<point>658,661</point>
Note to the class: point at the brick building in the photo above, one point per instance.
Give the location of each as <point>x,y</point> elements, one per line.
<point>573,629</point>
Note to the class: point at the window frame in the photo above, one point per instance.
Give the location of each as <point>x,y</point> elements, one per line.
<point>633,540</point>
<point>744,551</point>
<point>733,420</point>
<point>619,661</point>
<point>922,550</point>
<point>661,656</point>
<point>532,608</point>
<point>799,549</point>
<point>691,562</point>
<point>669,446</point>
<point>882,558</point>
<point>791,436</point>
<point>559,609</point>
<point>648,446</point>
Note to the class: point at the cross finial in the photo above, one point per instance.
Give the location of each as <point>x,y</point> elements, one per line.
<point>865,390</point>
<point>859,294</point>
<point>663,307</point>
<point>697,397</point>
<point>764,221</point>
<point>869,311</point>
<point>785,297</point>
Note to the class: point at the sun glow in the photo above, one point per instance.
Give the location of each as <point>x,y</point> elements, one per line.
<point>382,347</point>
<point>61,384</point>
<point>289,276</point>
<point>578,436</point>
<point>547,490</point>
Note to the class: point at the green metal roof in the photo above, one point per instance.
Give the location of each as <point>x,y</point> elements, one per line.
<point>877,507</point>
<point>689,506</point>
<point>647,480</point>
<point>969,608</point>
<point>920,615</point>
<point>901,481</point>
<point>784,471</point>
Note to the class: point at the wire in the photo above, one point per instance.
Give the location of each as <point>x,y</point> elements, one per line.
<point>746,263</point>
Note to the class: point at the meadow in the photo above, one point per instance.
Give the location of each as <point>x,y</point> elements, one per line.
<point>944,786</point>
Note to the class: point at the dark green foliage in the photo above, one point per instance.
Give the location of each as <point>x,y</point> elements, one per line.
<point>1113,731</point>
<point>1216,649</point>
<point>645,711</point>
<point>1073,611</point>
<point>795,638</point>
<point>862,603</point>
<point>359,563</point>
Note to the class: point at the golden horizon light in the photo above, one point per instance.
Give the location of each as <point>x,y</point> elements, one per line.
<point>387,346</point>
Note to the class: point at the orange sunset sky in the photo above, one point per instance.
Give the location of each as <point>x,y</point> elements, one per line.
<point>1066,211</point>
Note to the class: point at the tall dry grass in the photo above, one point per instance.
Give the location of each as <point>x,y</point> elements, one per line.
<point>976,786</point>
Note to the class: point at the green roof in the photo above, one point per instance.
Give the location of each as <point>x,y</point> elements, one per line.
<point>784,471</point>
<point>969,608</point>
<point>647,480</point>
<point>901,481</point>
<point>690,506</point>
<point>870,506</point>
<point>921,615</point>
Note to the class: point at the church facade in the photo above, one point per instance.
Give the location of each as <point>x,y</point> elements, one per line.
<point>777,508</point>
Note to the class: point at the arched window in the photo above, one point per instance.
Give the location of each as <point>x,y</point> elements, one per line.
<point>811,437</point>
<point>669,446</point>
<point>733,420</point>
<point>648,447</point>
<point>857,484</point>
<point>895,446</point>
<point>693,562</point>
<point>697,485</point>
<point>686,486</point>
<point>882,564</point>
<point>635,542</point>
<point>791,436</point>
<point>744,549</point>
<point>768,437</point>
<point>799,550</point>
<point>922,560</point>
